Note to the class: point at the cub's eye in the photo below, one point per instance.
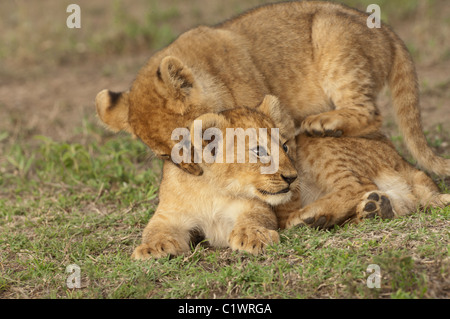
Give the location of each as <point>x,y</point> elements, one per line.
<point>259,151</point>
<point>285,147</point>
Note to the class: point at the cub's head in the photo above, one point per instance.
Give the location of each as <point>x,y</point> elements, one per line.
<point>245,152</point>
<point>164,96</point>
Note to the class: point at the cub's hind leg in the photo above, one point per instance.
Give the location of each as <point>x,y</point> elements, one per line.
<point>427,192</point>
<point>404,192</point>
<point>374,203</point>
<point>444,199</point>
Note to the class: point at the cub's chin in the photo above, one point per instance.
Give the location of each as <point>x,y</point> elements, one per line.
<point>274,199</point>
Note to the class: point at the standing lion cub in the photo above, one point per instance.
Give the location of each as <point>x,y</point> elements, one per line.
<point>319,182</point>
<point>321,59</point>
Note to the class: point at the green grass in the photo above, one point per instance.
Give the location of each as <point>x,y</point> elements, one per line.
<point>87,204</point>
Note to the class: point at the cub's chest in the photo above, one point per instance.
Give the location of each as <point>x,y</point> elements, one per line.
<point>217,218</point>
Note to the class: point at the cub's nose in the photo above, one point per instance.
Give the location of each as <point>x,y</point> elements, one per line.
<point>289,179</point>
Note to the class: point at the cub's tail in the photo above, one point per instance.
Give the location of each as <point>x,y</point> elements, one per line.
<point>405,96</point>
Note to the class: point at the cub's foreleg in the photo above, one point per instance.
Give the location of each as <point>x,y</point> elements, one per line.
<point>254,229</point>
<point>165,234</point>
<point>352,88</point>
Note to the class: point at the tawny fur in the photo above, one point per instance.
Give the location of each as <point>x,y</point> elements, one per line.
<point>230,205</point>
<point>338,180</point>
<point>321,59</point>
<point>348,179</point>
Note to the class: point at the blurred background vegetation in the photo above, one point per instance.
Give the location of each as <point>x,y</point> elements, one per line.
<point>34,32</point>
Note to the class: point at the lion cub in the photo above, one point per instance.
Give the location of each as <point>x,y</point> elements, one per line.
<point>320,182</point>
<point>347,179</point>
<point>319,58</point>
<point>230,204</point>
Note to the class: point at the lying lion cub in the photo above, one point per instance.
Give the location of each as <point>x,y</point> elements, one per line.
<point>230,204</point>
<point>336,180</point>
<point>350,178</point>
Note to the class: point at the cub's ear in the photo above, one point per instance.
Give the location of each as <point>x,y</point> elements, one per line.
<point>177,77</point>
<point>271,107</point>
<point>112,109</point>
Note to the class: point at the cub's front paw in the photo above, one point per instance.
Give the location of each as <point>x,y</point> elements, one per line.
<point>160,246</point>
<point>252,239</point>
<point>324,124</point>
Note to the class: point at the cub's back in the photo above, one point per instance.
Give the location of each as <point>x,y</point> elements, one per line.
<point>271,14</point>
<point>363,157</point>
<point>313,37</point>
